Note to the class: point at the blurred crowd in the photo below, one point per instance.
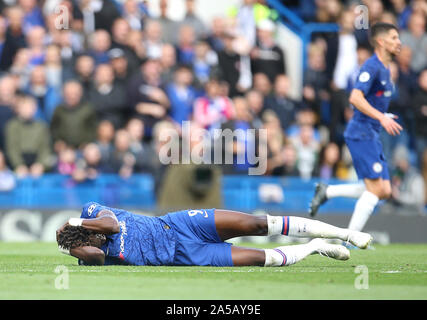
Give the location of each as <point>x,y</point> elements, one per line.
<point>87,86</point>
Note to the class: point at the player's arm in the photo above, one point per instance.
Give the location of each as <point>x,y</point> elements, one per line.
<point>90,255</point>
<point>105,223</point>
<point>358,100</point>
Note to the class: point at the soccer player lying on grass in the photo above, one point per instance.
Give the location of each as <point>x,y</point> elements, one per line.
<point>105,236</point>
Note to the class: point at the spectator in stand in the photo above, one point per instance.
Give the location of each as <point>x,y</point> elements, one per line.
<point>193,20</point>
<point>145,157</point>
<point>98,14</point>
<point>204,64</point>
<point>181,95</point>
<point>146,96</point>
<point>153,41</point>
<point>245,21</point>
<point>119,63</point>
<point>262,84</point>
<point>90,165</point>
<point>211,110</point>
<point>55,72</point>
<point>402,10</point>
<point>66,161</point>
<point>3,28</point>
<point>104,139</point>
<point>256,106</point>
<point>307,149</point>
<point>229,63</point>
<point>304,117</point>
<point>133,14</point>
<point>276,140</point>
<point>279,102</point>
<point>408,188</point>
<point>215,38</point>
<point>7,102</point>
<point>168,63</point>
<point>70,50</point>
<point>244,145</point>
<point>315,81</point>
<point>15,36</point>
<point>186,45</point>
<point>168,26</point>
<point>123,161</point>
<point>329,162</point>
<point>84,70</point>
<point>28,140</point>
<point>138,53</point>
<point>419,104</point>
<point>74,121</point>
<point>267,56</point>
<point>107,97</point>
<point>416,38</point>
<point>47,97</point>
<point>100,43</point>
<point>33,16</point>
<point>19,68</point>
<point>128,40</point>
<point>36,38</point>
<point>7,178</point>
<point>345,64</point>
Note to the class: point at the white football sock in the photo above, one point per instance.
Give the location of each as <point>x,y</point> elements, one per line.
<point>345,190</point>
<point>363,210</point>
<point>287,255</point>
<point>303,227</point>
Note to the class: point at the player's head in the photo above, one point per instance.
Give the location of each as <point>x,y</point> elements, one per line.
<point>386,35</point>
<point>74,237</point>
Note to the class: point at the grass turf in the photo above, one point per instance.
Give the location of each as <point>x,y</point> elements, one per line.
<point>398,271</point>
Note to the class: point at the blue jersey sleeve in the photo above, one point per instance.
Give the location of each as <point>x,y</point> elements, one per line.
<point>366,78</point>
<point>90,210</point>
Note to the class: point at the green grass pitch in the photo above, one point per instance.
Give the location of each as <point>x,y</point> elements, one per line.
<point>398,271</point>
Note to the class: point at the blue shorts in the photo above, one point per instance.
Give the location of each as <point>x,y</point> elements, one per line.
<point>198,243</point>
<point>368,159</point>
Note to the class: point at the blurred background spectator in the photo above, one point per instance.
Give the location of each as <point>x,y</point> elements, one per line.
<point>28,140</point>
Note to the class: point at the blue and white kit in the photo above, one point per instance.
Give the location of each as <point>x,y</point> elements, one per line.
<point>187,237</point>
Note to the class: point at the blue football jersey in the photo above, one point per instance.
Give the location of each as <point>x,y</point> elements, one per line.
<point>142,240</point>
<point>375,82</point>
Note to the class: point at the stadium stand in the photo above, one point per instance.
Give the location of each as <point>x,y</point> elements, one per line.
<point>109,76</point>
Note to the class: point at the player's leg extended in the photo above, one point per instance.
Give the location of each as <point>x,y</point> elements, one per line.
<point>231,224</point>
<point>286,255</point>
<point>376,189</point>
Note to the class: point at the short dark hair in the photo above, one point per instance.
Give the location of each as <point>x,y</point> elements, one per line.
<point>379,28</point>
<point>73,237</point>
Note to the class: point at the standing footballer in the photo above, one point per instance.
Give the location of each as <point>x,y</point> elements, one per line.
<point>370,97</point>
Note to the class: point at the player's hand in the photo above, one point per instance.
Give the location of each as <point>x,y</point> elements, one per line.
<point>391,126</point>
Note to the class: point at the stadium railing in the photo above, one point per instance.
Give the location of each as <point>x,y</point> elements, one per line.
<point>303,29</point>
<point>244,193</point>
